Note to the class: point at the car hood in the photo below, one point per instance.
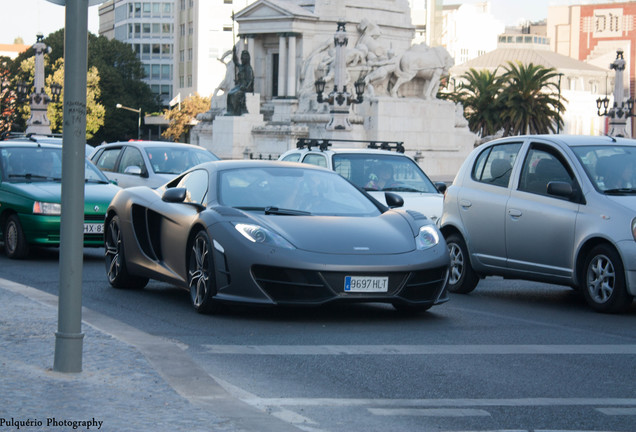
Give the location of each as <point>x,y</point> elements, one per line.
<point>52,191</point>
<point>626,201</point>
<point>429,204</point>
<point>388,233</point>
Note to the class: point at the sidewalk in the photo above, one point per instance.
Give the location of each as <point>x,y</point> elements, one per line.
<point>130,380</point>
<point>117,390</point>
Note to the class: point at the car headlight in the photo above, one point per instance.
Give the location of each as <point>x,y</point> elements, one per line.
<point>51,209</point>
<point>634,228</point>
<point>427,238</point>
<point>259,234</point>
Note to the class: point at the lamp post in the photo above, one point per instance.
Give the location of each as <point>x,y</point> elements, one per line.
<point>138,111</point>
<point>559,105</point>
<point>38,123</point>
<point>622,108</point>
<point>339,98</point>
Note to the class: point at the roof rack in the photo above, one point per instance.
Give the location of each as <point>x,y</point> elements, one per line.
<point>324,144</point>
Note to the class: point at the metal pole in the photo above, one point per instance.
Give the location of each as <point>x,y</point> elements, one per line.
<point>69,337</point>
<point>139,125</point>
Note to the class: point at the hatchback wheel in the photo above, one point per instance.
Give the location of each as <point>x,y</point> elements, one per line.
<point>15,244</point>
<point>605,289</point>
<point>116,269</point>
<point>462,278</point>
<point>201,280</point>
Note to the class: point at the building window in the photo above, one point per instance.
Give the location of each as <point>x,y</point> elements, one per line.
<point>166,50</point>
<point>190,28</point>
<point>182,56</point>
<point>166,71</point>
<point>189,54</point>
<point>189,80</point>
<point>181,82</point>
<point>146,69</point>
<point>146,28</point>
<point>227,28</point>
<point>167,9</point>
<point>156,49</point>
<point>166,28</point>
<point>182,29</point>
<point>156,71</point>
<point>166,91</point>
<point>183,5</point>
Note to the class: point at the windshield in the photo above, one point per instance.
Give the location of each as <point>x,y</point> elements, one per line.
<point>610,168</point>
<point>378,172</point>
<point>292,191</point>
<point>175,160</point>
<point>39,164</point>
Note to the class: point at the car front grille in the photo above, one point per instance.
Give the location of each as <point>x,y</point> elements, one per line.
<point>287,285</point>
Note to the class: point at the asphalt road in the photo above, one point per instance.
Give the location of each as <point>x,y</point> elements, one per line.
<point>511,356</point>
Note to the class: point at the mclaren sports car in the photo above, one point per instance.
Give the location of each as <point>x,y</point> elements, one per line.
<point>274,233</point>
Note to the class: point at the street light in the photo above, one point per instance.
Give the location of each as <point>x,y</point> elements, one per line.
<point>622,109</point>
<point>340,99</point>
<point>559,106</point>
<point>138,111</point>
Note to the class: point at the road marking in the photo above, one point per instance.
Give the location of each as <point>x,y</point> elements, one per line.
<point>618,411</point>
<point>419,349</point>
<point>429,412</point>
<point>428,403</point>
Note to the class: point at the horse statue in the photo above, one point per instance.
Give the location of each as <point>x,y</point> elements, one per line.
<point>422,61</point>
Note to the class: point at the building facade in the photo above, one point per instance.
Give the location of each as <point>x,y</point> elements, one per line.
<point>593,33</point>
<point>148,26</point>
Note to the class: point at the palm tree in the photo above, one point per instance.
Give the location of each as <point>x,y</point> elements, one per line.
<point>528,104</point>
<point>478,93</point>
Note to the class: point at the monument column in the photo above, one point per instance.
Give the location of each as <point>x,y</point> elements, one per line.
<point>282,62</point>
<point>291,66</point>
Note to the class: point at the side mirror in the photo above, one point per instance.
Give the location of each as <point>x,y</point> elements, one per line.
<point>133,170</point>
<point>174,195</point>
<point>393,200</point>
<point>560,189</point>
<point>441,186</point>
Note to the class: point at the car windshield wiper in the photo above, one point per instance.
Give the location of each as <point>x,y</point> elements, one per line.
<point>30,176</point>
<point>401,189</point>
<point>276,211</point>
<point>285,212</point>
<point>619,191</point>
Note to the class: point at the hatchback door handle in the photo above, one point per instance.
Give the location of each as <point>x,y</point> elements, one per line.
<point>514,213</point>
<point>465,203</point>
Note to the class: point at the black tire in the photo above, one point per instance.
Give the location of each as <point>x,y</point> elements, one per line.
<point>603,281</point>
<point>15,244</point>
<point>116,270</point>
<point>201,277</point>
<point>462,279</point>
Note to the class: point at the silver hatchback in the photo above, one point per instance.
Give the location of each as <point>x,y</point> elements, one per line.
<point>552,208</point>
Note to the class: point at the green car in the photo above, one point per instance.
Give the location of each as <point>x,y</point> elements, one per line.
<point>31,196</point>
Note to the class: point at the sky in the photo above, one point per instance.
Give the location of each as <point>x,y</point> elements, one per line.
<point>27,18</point>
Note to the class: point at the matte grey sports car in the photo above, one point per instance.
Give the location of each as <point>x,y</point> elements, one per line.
<point>274,233</point>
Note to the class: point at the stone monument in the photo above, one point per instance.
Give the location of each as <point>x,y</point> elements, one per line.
<point>292,45</point>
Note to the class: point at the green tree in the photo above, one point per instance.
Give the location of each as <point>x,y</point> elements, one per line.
<point>94,110</point>
<point>8,97</point>
<point>120,80</point>
<point>479,94</point>
<point>530,100</point>
<point>182,118</point>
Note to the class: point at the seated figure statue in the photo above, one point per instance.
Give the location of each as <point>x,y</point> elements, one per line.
<point>244,83</point>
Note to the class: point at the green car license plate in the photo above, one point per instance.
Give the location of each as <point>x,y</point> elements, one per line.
<point>366,284</point>
<point>93,228</point>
